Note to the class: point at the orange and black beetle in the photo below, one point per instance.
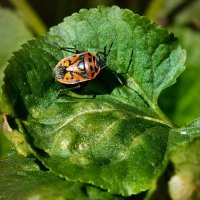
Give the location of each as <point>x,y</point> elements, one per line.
<point>81,67</point>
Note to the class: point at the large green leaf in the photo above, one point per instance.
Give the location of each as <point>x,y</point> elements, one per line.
<point>180,179</point>
<point>117,139</point>
<point>22,179</point>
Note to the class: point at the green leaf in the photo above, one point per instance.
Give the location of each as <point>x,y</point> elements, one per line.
<point>180,179</point>
<point>112,136</point>
<point>184,134</point>
<point>187,108</point>
<point>184,96</point>
<point>13,33</point>
<point>5,145</point>
<point>12,129</point>
<point>22,179</point>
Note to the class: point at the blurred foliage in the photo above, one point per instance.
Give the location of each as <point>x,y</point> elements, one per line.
<point>52,12</point>
<point>29,15</point>
<point>180,179</point>
<point>21,19</point>
<point>13,33</point>
<point>181,101</point>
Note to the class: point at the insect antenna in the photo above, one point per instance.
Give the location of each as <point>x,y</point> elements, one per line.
<point>104,53</point>
<point>68,49</point>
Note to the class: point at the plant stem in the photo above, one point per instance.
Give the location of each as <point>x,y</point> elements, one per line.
<point>30,16</point>
<point>153,9</point>
<point>163,116</point>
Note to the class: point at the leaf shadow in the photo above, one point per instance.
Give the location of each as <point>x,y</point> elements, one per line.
<point>103,84</point>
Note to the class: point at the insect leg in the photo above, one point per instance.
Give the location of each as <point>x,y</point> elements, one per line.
<point>73,95</point>
<point>66,90</point>
<point>68,49</point>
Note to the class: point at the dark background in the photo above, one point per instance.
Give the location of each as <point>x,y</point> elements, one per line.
<point>53,11</point>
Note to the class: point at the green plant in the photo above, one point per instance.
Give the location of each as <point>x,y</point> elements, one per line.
<point>114,143</point>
